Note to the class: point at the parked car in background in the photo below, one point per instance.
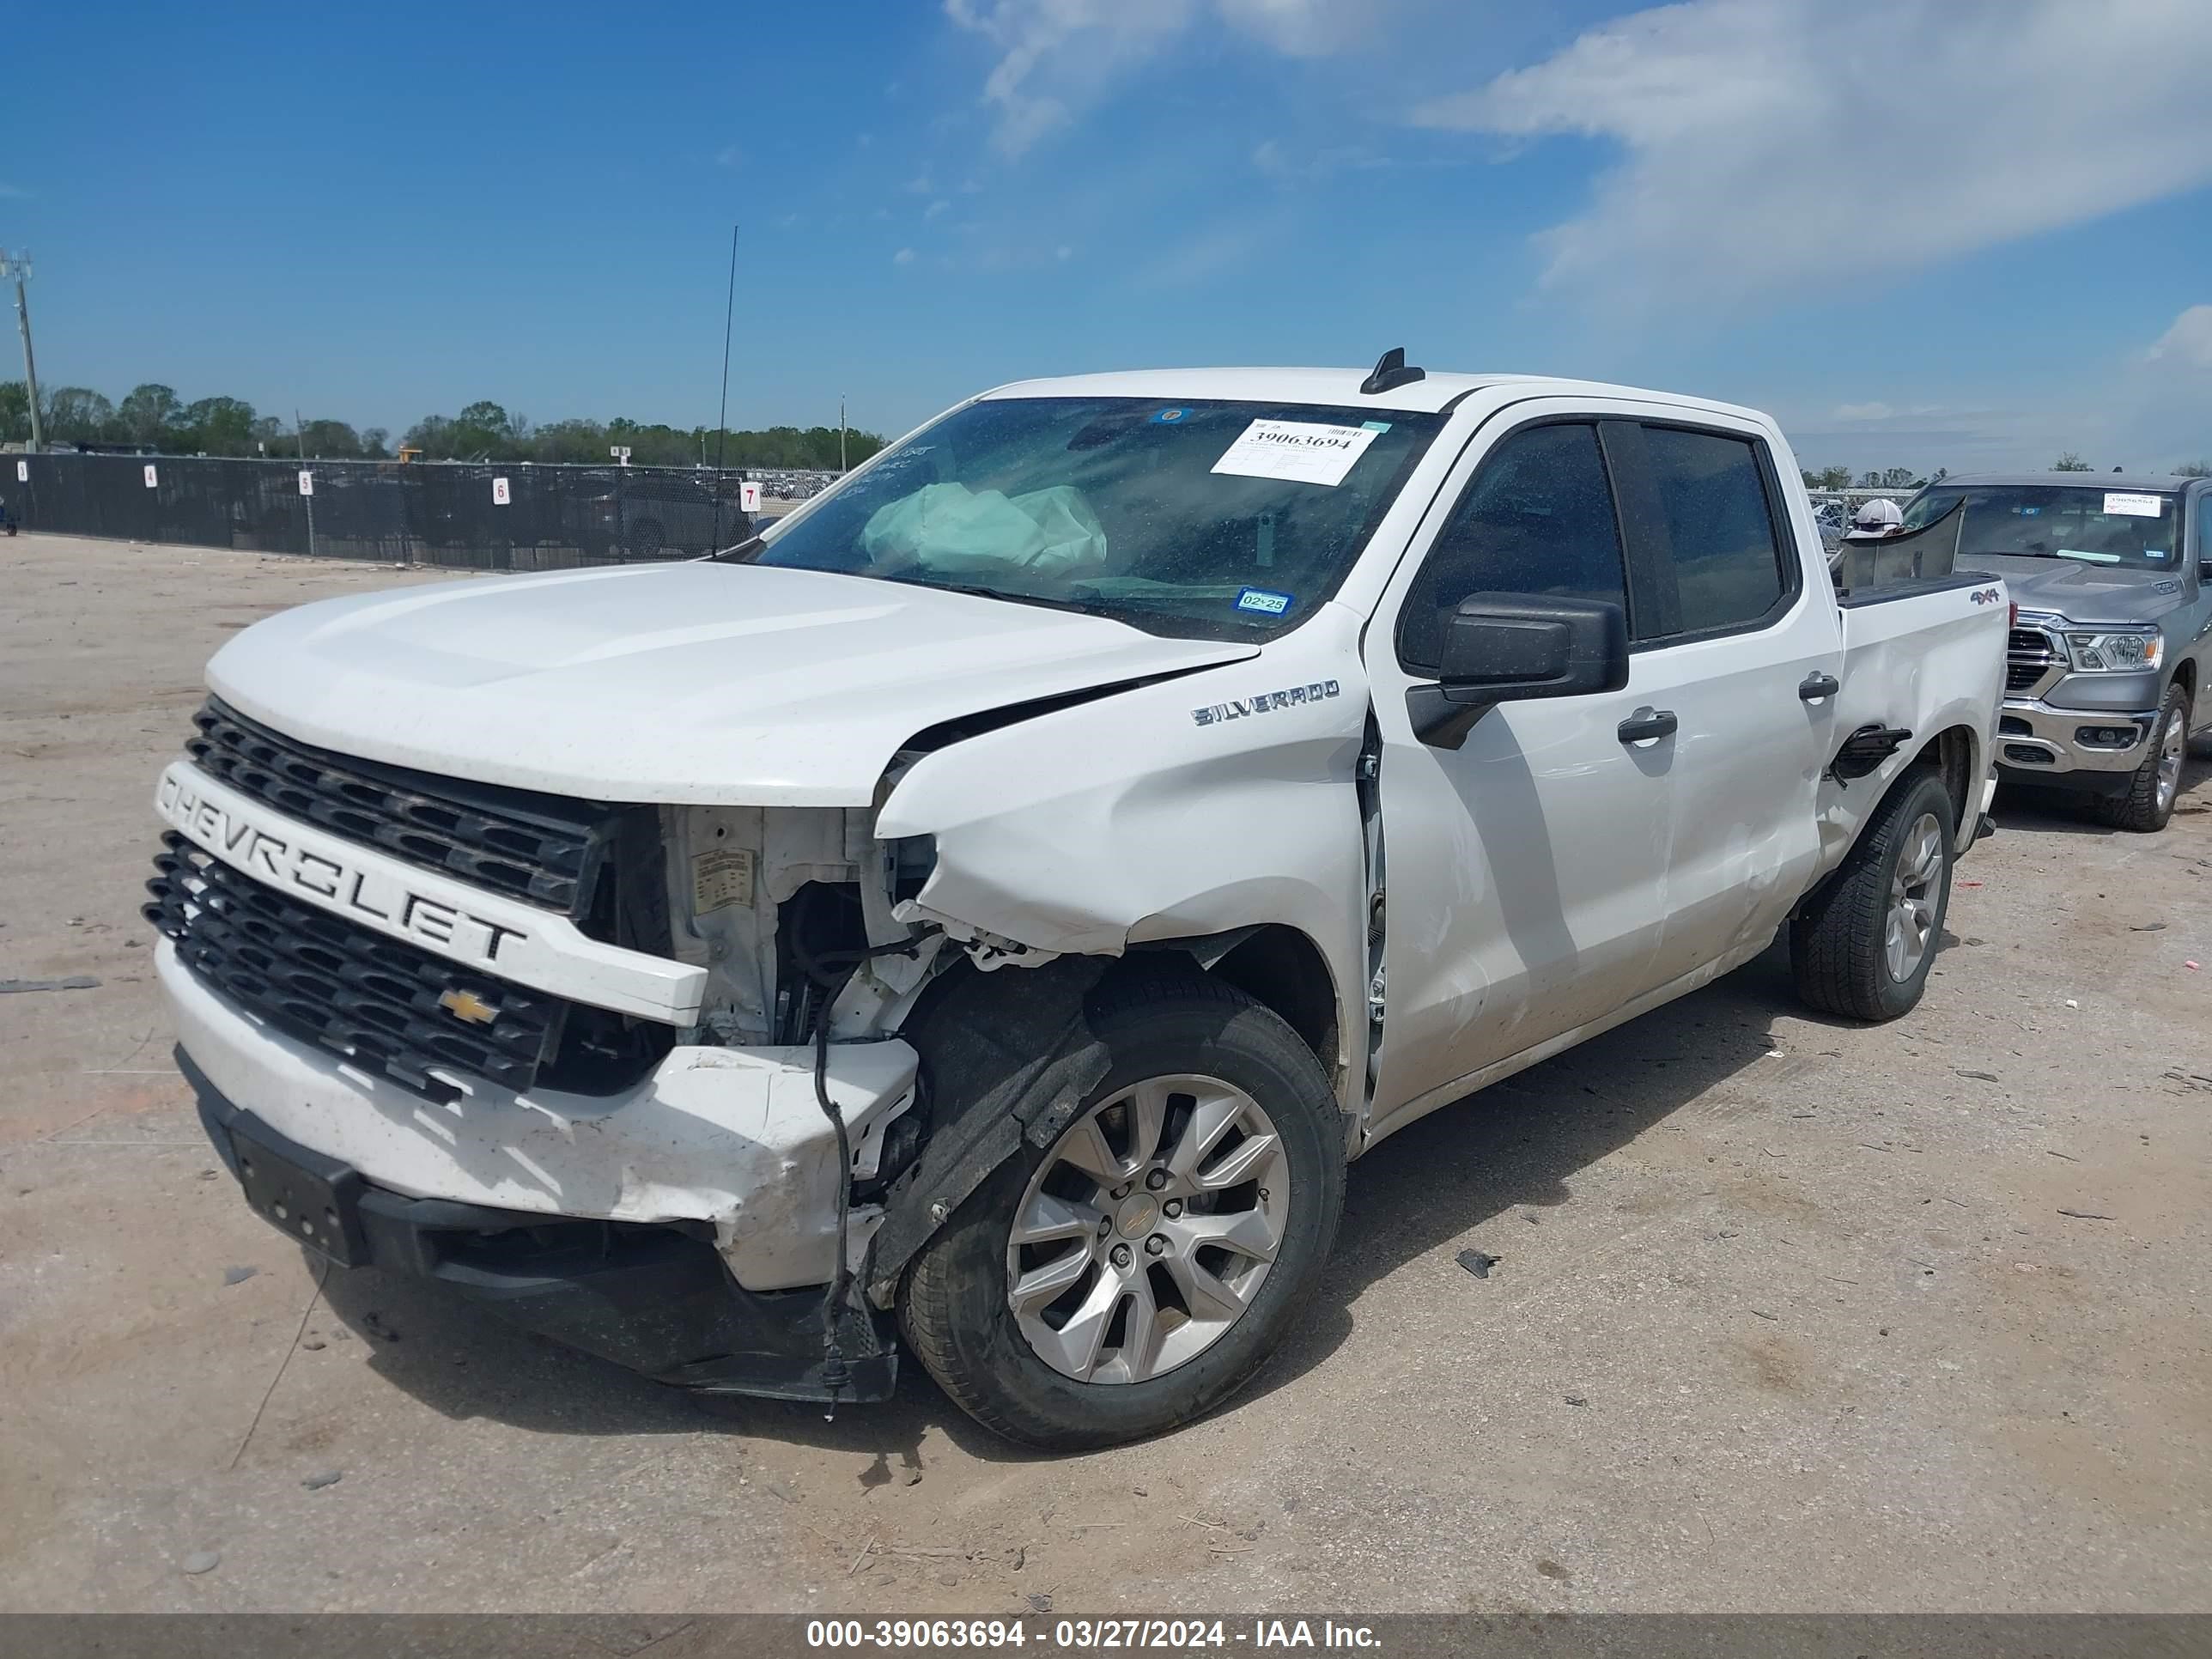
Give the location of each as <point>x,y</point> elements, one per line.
<point>990,910</point>
<point>2109,654</point>
<point>654,513</point>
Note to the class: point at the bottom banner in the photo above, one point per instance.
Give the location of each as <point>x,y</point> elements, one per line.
<point>1391,1636</point>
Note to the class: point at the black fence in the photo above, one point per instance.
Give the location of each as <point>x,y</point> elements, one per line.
<point>481,516</point>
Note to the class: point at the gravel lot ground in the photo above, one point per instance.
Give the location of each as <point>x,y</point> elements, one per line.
<point>1788,1315</point>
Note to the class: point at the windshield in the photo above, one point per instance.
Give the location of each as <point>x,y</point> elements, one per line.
<point>2090,523</point>
<point>1224,521</point>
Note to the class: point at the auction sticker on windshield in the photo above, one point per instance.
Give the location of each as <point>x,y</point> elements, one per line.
<point>1300,451</point>
<point>2135,507</point>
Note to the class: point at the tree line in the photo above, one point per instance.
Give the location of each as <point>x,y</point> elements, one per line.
<point>153,416</point>
<point>1888,477</point>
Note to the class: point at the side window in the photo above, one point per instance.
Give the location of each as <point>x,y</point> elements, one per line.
<point>1729,568</point>
<point>1537,518</point>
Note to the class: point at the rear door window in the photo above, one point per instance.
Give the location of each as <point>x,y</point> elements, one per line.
<point>1730,569</point>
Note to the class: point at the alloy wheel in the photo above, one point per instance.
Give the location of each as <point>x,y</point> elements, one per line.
<point>1914,887</point>
<point>2173,746</point>
<point>1148,1228</point>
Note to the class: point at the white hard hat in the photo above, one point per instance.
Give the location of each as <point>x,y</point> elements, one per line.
<point>1879,513</point>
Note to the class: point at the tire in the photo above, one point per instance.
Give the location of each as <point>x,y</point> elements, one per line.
<point>1841,950</point>
<point>955,1309</point>
<point>2147,803</point>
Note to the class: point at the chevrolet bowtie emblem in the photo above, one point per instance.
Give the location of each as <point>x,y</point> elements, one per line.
<point>468,1005</point>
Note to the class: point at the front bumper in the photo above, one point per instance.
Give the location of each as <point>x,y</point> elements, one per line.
<point>2038,744</point>
<point>657,1298</point>
<point>731,1138</point>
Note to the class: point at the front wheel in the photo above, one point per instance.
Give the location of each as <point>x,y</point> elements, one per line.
<point>2153,788</point>
<point>1862,946</point>
<point>1136,1271</point>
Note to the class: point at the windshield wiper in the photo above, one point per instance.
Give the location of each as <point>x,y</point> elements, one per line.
<point>730,555</point>
<point>977,590</point>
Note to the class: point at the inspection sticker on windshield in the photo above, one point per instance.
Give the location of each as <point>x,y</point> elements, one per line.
<point>1301,451</point>
<point>1259,600</point>
<point>2135,507</point>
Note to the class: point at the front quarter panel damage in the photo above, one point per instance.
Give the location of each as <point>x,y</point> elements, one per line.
<point>1214,801</point>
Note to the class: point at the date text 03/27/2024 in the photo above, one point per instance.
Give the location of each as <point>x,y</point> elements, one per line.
<point>1088,1635</point>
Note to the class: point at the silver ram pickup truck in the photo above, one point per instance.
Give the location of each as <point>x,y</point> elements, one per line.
<point>2108,655</point>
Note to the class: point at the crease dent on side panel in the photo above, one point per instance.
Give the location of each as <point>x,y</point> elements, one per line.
<point>1369,778</point>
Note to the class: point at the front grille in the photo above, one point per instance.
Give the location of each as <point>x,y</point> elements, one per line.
<point>2030,653</point>
<point>332,982</point>
<point>542,848</point>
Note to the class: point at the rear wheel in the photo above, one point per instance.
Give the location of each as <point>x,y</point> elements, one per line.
<point>2148,801</point>
<point>1134,1273</point>
<point>1863,944</point>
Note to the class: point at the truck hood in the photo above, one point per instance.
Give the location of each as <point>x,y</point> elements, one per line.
<point>2081,591</point>
<point>695,683</point>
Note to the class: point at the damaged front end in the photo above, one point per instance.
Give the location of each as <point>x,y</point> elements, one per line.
<point>671,1187</point>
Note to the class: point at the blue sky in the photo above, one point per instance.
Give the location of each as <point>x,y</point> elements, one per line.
<point>1928,232</point>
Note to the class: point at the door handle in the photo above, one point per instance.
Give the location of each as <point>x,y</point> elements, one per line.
<point>1817,685</point>
<point>1646,724</point>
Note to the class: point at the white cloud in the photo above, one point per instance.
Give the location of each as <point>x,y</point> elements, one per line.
<point>2162,402</point>
<point>2189,342</point>
<point>939,206</point>
<point>1875,411</point>
<point>1063,253</point>
<point>1302,28</point>
<point>729,157</point>
<point>904,256</point>
<point>1057,58</point>
<point>1773,144</point>
<point>921,185</point>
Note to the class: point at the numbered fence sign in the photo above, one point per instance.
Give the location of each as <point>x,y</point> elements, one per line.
<point>153,478</point>
<point>749,496</point>
<point>499,494</point>
<point>306,482</point>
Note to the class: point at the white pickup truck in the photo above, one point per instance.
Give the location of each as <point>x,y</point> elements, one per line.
<point>983,916</point>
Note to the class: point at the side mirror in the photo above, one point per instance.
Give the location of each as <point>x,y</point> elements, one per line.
<point>1508,647</point>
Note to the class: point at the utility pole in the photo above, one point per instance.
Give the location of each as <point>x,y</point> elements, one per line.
<point>722,420</point>
<point>841,432</point>
<point>299,428</point>
<point>18,266</point>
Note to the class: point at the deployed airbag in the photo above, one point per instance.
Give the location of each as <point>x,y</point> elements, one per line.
<point>950,527</point>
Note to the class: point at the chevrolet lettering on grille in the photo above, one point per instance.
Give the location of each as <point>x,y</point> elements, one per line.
<point>267,850</point>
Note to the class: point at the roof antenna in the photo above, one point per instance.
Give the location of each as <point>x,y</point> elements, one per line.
<point>1390,372</point>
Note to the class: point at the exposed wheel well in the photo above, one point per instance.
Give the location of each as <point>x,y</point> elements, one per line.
<point>1280,967</point>
<point>1951,753</point>
<point>2185,678</point>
